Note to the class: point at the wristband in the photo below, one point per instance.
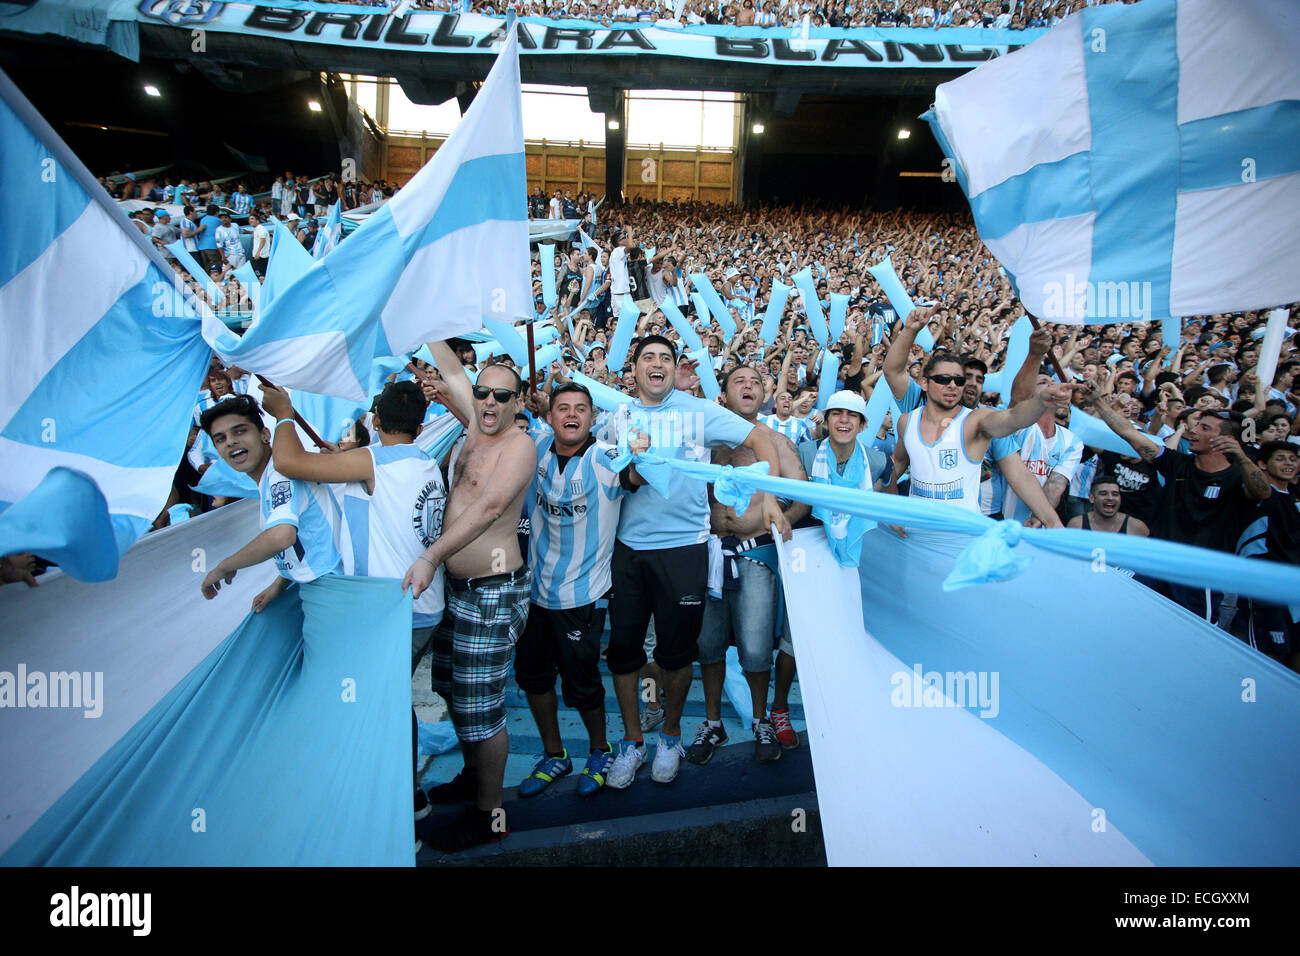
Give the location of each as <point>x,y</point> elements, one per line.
<point>285,421</point>
<point>427,561</point>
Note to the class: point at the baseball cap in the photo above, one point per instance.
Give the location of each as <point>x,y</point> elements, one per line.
<point>161,212</point>
<point>849,401</point>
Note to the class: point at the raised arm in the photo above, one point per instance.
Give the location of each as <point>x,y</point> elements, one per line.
<point>1117,423</point>
<point>453,374</point>
<point>900,350</point>
<point>294,461</point>
<point>1026,381</point>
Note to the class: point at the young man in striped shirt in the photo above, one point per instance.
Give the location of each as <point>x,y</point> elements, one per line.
<point>575,500</point>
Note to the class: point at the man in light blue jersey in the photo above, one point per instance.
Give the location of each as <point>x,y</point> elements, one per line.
<point>574,499</point>
<point>299,520</point>
<point>393,498</point>
<point>782,420</point>
<point>660,564</point>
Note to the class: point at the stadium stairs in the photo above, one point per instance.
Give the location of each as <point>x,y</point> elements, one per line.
<point>733,811</point>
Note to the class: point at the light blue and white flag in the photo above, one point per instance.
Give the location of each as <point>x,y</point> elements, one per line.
<point>327,237</point>
<point>100,359</point>
<point>1138,161</point>
<point>448,250</point>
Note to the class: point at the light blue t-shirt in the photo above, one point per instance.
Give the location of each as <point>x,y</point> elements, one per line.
<point>681,427</point>
<point>311,509</point>
<point>207,239</point>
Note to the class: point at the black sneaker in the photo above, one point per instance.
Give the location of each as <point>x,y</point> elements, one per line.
<point>475,828</point>
<point>766,747</point>
<point>462,789</point>
<point>707,740</point>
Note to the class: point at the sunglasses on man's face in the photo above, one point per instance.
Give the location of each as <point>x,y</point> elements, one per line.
<point>502,395</point>
<point>949,379</point>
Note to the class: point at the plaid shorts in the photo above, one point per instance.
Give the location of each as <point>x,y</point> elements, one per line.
<point>472,647</point>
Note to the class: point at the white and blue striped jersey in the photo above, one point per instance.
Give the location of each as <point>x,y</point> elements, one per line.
<point>385,532</point>
<point>1043,457</point>
<point>240,202</point>
<point>311,509</point>
<point>795,429</point>
<point>574,513</point>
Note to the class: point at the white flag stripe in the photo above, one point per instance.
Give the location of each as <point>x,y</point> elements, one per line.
<point>50,313</point>
<point>1054,248</point>
<point>129,490</point>
<point>449,275</point>
<point>1040,119</point>
<point>1218,56</point>
<point>1231,274</point>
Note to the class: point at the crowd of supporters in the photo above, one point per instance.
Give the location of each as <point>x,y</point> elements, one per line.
<point>1217,453</point>
<point>996,14</point>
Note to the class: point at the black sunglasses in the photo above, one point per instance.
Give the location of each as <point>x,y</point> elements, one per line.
<point>948,379</point>
<point>502,395</point>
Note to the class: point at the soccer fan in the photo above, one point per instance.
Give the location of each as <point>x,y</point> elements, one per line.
<point>1106,514</point>
<point>299,519</point>
<point>574,502</point>
<point>392,498</point>
<point>660,565</point>
<point>488,586</point>
<point>750,585</point>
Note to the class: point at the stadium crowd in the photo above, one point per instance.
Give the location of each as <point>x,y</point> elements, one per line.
<point>996,14</point>
<point>533,528</point>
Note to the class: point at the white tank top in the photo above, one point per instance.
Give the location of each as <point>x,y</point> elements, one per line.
<point>942,471</point>
<point>389,529</point>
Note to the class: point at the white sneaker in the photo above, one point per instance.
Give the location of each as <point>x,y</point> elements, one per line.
<point>668,757</point>
<point>631,755</point>
<point>650,719</point>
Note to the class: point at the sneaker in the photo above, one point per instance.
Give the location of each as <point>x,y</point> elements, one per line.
<point>593,775</point>
<point>668,757</point>
<point>651,719</point>
<point>545,772</point>
<point>766,747</point>
<point>462,789</point>
<point>473,829</point>
<point>785,734</point>
<point>422,808</point>
<point>707,740</point>
<point>631,755</point>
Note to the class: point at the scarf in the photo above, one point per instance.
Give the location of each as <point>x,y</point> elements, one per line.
<point>844,531</point>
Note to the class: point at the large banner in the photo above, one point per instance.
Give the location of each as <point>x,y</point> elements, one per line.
<point>399,29</point>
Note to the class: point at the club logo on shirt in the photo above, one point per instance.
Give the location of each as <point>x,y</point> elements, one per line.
<point>281,492</point>
<point>948,458</point>
<point>427,519</point>
<point>575,485</point>
<point>180,12</point>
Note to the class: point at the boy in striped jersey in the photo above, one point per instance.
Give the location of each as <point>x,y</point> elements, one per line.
<point>575,501</point>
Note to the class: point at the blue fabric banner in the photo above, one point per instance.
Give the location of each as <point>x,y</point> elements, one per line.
<point>314,688</point>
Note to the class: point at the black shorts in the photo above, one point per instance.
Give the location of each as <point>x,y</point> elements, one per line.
<point>564,642</point>
<point>668,583</point>
<point>1270,630</point>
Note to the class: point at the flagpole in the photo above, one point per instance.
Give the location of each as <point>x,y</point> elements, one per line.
<point>532,356</point>
<point>311,432</point>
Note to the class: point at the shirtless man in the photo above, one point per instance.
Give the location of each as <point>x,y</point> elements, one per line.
<point>488,586</point>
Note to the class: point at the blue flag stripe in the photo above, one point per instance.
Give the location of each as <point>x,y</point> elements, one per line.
<point>1213,148</point>
<point>1133,105</point>
<point>38,210</point>
<point>1047,191</point>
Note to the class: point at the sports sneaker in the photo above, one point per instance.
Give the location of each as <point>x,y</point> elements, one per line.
<point>631,755</point>
<point>785,734</point>
<point>650,719</point>
<point>593,775</point>
<point>668,757</point>
<point>463,788</point>
<point>766,747</point>
<point>707,740</point>
<point>545,772</point>
<point>422,808</point>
